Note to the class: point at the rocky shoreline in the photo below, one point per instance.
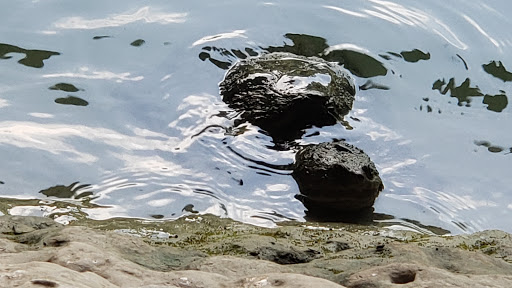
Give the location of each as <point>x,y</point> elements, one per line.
<point>208,251</point>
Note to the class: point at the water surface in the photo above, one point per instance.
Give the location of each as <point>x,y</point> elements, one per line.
<point>111,109</point>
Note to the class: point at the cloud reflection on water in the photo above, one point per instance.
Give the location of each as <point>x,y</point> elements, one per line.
<point>227,35</point>
<point>52,138</point>
<point>346,11</point>
<point>3,103</point>
<point>87,73</point>
<point>143,14</point>
<point>481,30</point>
<point>399,14</point>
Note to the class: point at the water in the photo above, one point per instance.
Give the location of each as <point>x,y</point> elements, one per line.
<point>138,128</point>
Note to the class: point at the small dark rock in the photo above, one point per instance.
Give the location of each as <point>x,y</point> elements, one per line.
<point>335,178</point>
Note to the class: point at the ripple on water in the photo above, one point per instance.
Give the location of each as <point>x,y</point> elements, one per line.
<point>145,126</point>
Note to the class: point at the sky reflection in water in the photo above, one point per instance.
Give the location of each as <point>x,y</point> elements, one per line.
<point>120,101</point>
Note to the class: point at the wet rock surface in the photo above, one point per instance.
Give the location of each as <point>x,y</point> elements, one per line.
<point>281,255</point>
<point>207,251</point>
<point>284,94</point>
<point>336,178</point>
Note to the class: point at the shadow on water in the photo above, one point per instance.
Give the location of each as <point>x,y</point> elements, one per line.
<point>33,58</point>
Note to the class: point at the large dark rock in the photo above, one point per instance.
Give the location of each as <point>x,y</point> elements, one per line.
<point>336,180</point>
<point>283,93</point>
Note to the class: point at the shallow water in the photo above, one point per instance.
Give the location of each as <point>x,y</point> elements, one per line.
<point>138,129</point>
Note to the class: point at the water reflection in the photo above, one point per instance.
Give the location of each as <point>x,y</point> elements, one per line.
<point>481,30</point>
<point>448,205</point>
<point>138,43</point>
<point>216,37</point>
<point>3,103</point>
<point>398,14</point>
<point>61,210</point>
<point>74,190</point>
<point>71,100</point>
<point>190,208</point>
<point>358,63</point>
<point>493,148</point>
<point>498,70</point>
<point>56,136</point>
<point>465,93</point>
<point>33,58</point>
<point>497,102</point>
<point>429,108</point>
<point>140,165</point>
<point>350,57</point>
<point>412,56</point>
<point>64,87</point>
<point>101,37</point>
<point>87,73</point>
<point>302,44</point>
<point>145,14</point>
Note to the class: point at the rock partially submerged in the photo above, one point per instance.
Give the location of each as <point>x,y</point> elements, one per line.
<point>284,94</point>
<point>336,179</point>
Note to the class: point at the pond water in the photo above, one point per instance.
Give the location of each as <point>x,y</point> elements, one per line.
<point>112,109</point>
